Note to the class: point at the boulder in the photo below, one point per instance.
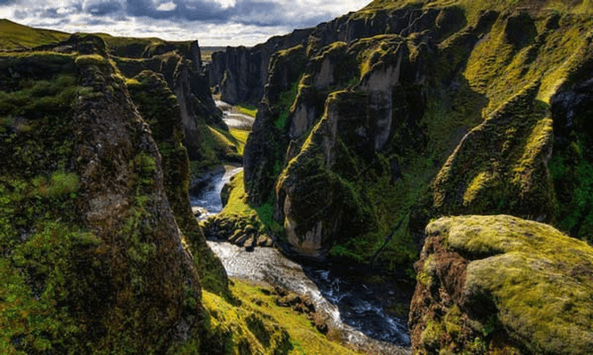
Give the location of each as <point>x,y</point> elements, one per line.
<point>501,284</point>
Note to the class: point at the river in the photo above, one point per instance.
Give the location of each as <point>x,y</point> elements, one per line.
<point>350,306</point>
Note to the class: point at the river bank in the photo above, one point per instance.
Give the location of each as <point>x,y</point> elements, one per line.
<point>355,309</point>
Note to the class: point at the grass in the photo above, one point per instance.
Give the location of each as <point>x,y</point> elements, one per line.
<point>237,205</point>
<point>248,110</point>
<point>14,36</point>
<point>261,326</point>
<point>240,138</point>
<point>207,52</point>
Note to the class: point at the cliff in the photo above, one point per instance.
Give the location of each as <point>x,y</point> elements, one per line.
<point>462,110</point>
<point>501,285</point>
<point>241,73</point>
<point>99,250</point>
<point>181,66</point>
<point>93,259</point>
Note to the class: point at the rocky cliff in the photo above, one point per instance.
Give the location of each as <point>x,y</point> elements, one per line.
<point>453,109</point>
<point>93,259</point>
<point>181,66</point>
<point>241,73</point>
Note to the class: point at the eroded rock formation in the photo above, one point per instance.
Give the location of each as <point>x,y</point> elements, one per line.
<point>92,255</point>
<point>448,110</point>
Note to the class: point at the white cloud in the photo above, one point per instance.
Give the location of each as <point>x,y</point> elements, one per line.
<point>226,3</point>
<point>167,6</point>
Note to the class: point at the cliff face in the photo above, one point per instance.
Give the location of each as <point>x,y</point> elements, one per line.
<point>242,73</point>
<point>92,256</point>
<point>499,284</point>
<point>181,66</point>
<point>358,144</point>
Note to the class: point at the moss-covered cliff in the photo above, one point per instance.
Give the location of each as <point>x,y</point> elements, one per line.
<point>424,109</point>
<point>99,250</point>
<point>92,258</point>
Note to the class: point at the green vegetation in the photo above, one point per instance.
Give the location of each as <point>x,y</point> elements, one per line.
<point>487,93</point>
<point>90,254</point>
<point>535,277</point>
<point>286,103</point>
<point>15,36</point>
<point>248,110</point>
<point>41,236</point>
<point>261,326</point>
<point>240,215</point>
<point>159,107</point>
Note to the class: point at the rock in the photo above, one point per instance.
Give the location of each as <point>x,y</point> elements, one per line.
<point>374,120</point>
<point>106,230</point>
<point>264,241</point>
<point>502,284</point>
<point>242,73</point>
<point>250,243</point>
<point>322,327</point>
<point>225,193</point>
<point>197,211</point>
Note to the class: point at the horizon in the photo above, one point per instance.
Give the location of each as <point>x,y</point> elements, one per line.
<point>213,23</point>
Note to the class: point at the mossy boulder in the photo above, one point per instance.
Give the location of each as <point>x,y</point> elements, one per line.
<point>500,284</point>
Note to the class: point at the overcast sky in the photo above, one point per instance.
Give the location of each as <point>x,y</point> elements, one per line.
<point>212,22</point>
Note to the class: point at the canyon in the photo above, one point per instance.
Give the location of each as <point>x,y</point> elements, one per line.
<point>440,151</point>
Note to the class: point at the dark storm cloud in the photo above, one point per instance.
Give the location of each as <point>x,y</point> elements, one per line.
<point>249,12</point>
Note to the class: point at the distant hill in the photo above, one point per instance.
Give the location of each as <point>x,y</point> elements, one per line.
<point>14,36</point>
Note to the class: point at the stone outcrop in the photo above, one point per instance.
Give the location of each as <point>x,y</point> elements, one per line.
<point>181,66</point>
<point>153,98</point>
<point>500,284</point>
<point>92,254</point>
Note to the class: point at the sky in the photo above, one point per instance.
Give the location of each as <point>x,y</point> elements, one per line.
<point>211,22</point>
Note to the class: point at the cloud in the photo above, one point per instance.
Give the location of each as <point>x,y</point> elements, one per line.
<point>220,22</point>
<point>101,8</point>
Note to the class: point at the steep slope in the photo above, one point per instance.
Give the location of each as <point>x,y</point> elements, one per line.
<point>502,285</point>
<point>15,36</point>
<point>92,257</point>
<point>454,110</point>
<point>181,66</point>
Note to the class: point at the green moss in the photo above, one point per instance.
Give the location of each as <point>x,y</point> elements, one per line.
<point>286,104</point>
<point>261,326</point>
<point>160,109</point>
<point>534,275</point>
<point>91,59</point>
<point>248,110</point>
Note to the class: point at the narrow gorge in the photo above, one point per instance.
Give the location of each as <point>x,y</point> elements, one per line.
<point>411,178</point>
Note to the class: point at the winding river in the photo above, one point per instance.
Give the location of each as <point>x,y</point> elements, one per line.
<point>349,306</point>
